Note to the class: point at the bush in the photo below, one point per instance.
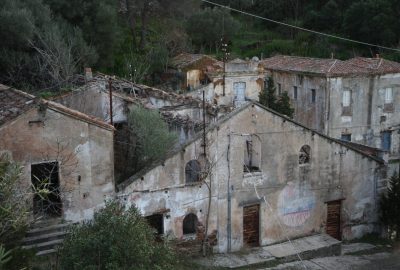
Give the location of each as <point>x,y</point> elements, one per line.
<point>389,206</point>
<point>14,209</point>
<point>115,239</point>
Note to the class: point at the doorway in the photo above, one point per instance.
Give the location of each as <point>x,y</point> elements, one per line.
<point>333,227</point>
<point>46,184</point>
<point>251,225</point>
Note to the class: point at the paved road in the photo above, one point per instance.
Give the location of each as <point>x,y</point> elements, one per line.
<point>378,261</point>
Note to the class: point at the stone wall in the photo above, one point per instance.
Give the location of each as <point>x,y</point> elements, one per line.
<point>83,151</point>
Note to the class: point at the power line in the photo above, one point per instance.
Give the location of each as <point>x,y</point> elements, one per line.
<point>300,28</point>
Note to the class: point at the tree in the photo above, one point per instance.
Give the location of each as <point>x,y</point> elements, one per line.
<point>14,210</point>
<point>267,97</point>
<point>389,206</point>
<point>41,50</point>
<point>150,137</point>
<point>115,239</point>
<point>207,27</point>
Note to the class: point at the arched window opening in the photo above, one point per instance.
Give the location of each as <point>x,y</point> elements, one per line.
<point>192,171</point>
<point>190,224</point>
<point>305,155</point>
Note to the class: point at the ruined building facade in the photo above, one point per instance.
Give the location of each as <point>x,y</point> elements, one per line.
<point>257,179</point>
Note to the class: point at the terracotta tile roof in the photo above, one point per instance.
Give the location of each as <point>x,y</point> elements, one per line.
<point>186,60</point>
<point>375,65</point>
<point>299,64</point>
<point>331,67</point>
<point>14,103</point>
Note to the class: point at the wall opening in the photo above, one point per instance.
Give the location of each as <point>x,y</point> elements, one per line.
<point>313,96</point>
<point>45,176</point>
<point>305,155</point>
<point>192,171</point>
<point>295,92</point>
<point>156,221</point>
<point>252,154</point>
<point>189,224</point>
<point>346,137</point>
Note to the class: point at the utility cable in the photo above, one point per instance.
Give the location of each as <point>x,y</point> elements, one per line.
<point>301,28</point>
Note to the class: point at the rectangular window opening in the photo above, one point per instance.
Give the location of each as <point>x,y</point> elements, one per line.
<point>313,95</point>
<point>346,137</point>
<point>295,92</point>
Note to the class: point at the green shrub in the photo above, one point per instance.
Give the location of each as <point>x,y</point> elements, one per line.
<point>115,239</point>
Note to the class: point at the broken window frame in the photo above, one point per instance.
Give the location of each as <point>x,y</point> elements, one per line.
<point>305,155</point>
<point>250,164</point>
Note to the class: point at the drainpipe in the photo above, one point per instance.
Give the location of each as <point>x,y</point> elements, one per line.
<point>229,223</point>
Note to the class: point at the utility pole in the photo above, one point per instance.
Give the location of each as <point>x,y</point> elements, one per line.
<point>111,104</point>
<point>204,125</point>
<point>224,49</point>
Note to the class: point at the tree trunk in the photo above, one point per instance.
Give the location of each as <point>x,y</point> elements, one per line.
<point>143,32</point>
<point>130,14</point>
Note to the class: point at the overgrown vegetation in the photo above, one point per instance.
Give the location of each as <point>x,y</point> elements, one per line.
<point>280,103</point>
<point>115,239</point>
<point>389,206</point>
<point>13,207</point>
<point>149,139</point>
<point>46,41</point>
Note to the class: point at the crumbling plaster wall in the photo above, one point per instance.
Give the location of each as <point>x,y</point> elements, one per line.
<point>368,117</point>
<point>311,114</point>
<point>93,99</point>
<point>334,173</point>
<point>84,152</point>
<point>164,190</point>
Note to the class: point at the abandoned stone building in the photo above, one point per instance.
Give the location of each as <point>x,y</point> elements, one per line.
<point>67,152</point>
<point>183,114</point>
<point>256,179</point>
<point>188,72</point>
<point>242,81</point>
<point>355,100</point>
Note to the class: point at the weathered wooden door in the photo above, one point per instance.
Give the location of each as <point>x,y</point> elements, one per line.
<point>333,219</point>
<point>251,225</point>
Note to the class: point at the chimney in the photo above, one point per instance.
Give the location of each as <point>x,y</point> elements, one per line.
<point>377,56</point>
<point>88,74</point>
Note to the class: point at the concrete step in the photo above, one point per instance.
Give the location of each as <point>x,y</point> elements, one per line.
<point>44,245</point>
<point>46,252</point>
<point>43,238</point>
<point>314,246</point>
<point>36,231</point>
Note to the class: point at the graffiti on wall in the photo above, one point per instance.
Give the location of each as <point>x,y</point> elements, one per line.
<point>295,204</point>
